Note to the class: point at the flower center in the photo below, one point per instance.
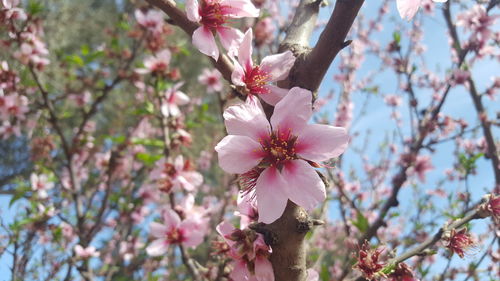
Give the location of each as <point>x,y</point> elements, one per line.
<point>279,147</point>
<point>175,236</point>
<point>212,14</point>
<point>255,81</point>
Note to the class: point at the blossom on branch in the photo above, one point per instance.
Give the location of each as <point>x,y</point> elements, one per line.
<point>173,231</point>
<point>249,252</point>
<point>369,261</point>
<point>255,79</point>
<point>213,15</point>
<point>276,158</point>
<point>458,241</point>
<point>212,79</point>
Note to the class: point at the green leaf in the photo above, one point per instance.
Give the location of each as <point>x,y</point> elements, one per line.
<point>324,275</point>
<point>34,7</point>
<point>75,60</point>
<point>396,36</point>
<point>361,223</point>
<point>148,159</point>
<point>148,142</point>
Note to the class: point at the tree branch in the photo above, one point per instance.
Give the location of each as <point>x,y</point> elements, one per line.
<point>311,70</point>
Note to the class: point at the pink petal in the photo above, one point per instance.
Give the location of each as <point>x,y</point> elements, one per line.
<point>238,74</point>
<point>230,39</point>
<point>240,271</point>
<point>192,10</point>
<point>321,142</point>
<point>190,180</point>
<point>293,112</point>
<point>157,248</point>
<point>408,8</point>
<point>247,119</point>
<point>240,8</point>
<point>181,98</point>
<point>171,219</point>
<point>278,66</point>
<point>271,195</point>
<point>274,95</point>
<point>238,154</point>
<point>224,228</point>
<point>193,237</point>
<point>158,230</point>
<point>204,40</point>
<point>245,51</point>
<point>305,187</point>
<point>312,275</point>
<point>263,269</point>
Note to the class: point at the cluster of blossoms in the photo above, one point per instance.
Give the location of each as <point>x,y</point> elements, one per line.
<point>248,251</point>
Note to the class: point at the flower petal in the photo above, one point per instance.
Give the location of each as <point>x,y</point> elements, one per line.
<point>192,238</point>
<point>408,8</point>
<point>240,8</point>
<point>238,154</point>
<point>263,269</point>
<point>245,51</point>
<point>158,230</point>
<point>271,195</point>
<point>224,228</point>
<point>278,66</point>
<point>230,39</point>
<point>305,187</point>
<point>157,248</point>
<point>274,95</point>
<point>204,40</point>
<point>247,119</point>
<point>293,112</point>
<point>318,142</point>
<point>181,98</point>
<point>171,219</point>
<point>192,10</point>
<point>238,74</point>
<point>240,271</point>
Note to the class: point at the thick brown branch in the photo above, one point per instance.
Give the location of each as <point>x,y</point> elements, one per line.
<point>311,71</point>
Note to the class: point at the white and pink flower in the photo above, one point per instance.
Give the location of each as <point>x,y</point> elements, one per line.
<point>157,63</point>
<point>85,253</point>
<point>178,175</point>
<point>213,16</point>
<point>151,19</point>
<point>41,184</point>
<point>275,158</point>
<point>212,79</point>
<point>256,79</point>
<point>173,98</point>
<point>173,231</point>
<point>408,8</point>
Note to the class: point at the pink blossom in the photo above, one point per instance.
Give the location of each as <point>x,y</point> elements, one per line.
<point>213,15</point>
<point>408,8</point>
<point>172,99</point>
<point>173,231</point>
<point>212,79</point>
<point>276,155</point>
<point>247,209</point>
<point>255,79</point>
<point>249,252</point>
<point>7,129</point>
<point>40,184</point>
<point>11,12</point>
<point>151,19</point>
<point>458,241</point>
<point>156,64</point>
<point>176,175</point>
<point>264,31</point>
<point>392,100</point>
<point>369,262</point>
<point>85,253</point>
